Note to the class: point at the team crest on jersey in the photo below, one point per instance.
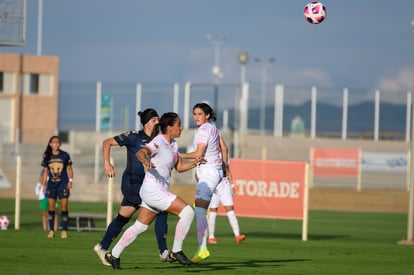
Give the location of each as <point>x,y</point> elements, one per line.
<point>156,145</point>
<point>55,167</point>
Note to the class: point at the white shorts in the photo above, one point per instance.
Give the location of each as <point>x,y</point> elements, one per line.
<point>222,194</point>
<point>155,196</point>
<point>208,179</point>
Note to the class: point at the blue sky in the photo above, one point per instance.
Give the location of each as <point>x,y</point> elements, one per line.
<point>365,44</point>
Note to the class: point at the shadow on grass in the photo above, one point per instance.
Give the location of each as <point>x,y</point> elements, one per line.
<point>222,266</point>
<point>218,266</point>
<point>294,236</point>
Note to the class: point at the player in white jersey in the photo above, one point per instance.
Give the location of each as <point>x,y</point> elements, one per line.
<point>159,157</point>
<point>224,194</point>
<point>209,175</point>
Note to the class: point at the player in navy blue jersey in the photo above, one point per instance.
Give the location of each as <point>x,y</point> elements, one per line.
<point>160,157</point>
<point>57,181</point>
<point>131,184</point>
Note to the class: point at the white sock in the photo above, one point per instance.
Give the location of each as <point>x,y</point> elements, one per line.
<point>128,237</point>
<point>201,227</point>
<point>183,226</point>
<point>233,222</point>
<point>211,223</point>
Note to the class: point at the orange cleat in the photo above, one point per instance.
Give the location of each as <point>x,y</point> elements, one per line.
<point>240,238</point>
<point>212,240</point>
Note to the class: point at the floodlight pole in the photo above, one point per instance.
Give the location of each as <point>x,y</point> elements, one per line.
<point>39,27</point>
<point>243,58</point>
<point>216,70</point>
<point>265,65</point>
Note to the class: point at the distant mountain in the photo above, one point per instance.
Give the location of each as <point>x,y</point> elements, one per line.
<point>329,117</point>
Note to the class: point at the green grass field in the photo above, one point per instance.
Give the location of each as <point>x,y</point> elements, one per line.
<point>339,243</point>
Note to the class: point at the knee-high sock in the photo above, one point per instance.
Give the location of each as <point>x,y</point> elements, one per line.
<point>161,229</point>
<point>51,220</point>
<point>233,222</point>
<point>128,237</point>
<point>201,227</point>
<point>183,226</point>
<point>65,219</point>
<point>113,230</point>
<point>211,223</point>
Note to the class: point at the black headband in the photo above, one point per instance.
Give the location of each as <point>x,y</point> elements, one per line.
<point>147,114</point>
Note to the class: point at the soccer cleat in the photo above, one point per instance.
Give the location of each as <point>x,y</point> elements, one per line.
<point>180,257</point>
<point>165,256</point>
<point>101,254</point>
<point>212,240</point>
<point>64,234</point>
<point>201,255</point>
<point>115,262</point>
<point>51,234</point>
<point>239,239</point>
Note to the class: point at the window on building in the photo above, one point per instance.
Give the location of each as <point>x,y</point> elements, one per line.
<point>1,82</point>
<point>34,83</point>
<point>37,84</point>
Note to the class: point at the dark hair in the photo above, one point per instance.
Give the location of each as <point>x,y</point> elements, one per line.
<point>48,152</point>
<point>207,110</point>
<point>167,119</point>
<point>147,114</point>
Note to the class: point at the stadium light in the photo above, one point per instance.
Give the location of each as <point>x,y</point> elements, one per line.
<point>216,70</point>
<point>265,65</point>
<point>243,58</point>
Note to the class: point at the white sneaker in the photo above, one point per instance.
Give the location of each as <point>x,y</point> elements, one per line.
<point>165,256</point>
<point>101,254</point>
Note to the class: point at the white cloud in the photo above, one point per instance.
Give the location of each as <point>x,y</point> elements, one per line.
<point>402,80</point>
<point>394,87</point>
<point>316,77</point>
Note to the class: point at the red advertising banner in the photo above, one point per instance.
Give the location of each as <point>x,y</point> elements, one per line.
<point>269,189</point>
<point>335,162</point>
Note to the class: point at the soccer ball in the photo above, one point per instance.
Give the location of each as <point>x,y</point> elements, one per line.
<point>4,222</point>
<point>315,12</point>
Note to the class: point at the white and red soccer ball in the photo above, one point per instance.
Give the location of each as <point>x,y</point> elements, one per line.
<point>315,12</point>
<point>4,222</point>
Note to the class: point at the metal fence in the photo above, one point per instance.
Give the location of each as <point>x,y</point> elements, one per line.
<point>268,109</point>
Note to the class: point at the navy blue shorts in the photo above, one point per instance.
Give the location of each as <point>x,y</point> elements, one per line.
<point>58,194</point>
<point>131,195</point>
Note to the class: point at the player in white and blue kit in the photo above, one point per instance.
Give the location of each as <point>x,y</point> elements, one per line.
<point>159,157</point>
<point>207,145</point>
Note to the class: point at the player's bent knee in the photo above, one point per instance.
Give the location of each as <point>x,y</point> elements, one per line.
<point>122,220</point>
<point>140,227</point>
<point>187,212</point>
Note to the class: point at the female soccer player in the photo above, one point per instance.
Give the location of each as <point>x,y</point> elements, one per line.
<point>207,145</point>
<point>159,157</point>
<point>57,180</point>
<point>224,194</point>
<point>131,184</point>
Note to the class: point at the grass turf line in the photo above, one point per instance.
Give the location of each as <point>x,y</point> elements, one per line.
<point>339,243</point>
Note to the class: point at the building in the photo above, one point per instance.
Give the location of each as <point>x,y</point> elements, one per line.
<point>28,98</point>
